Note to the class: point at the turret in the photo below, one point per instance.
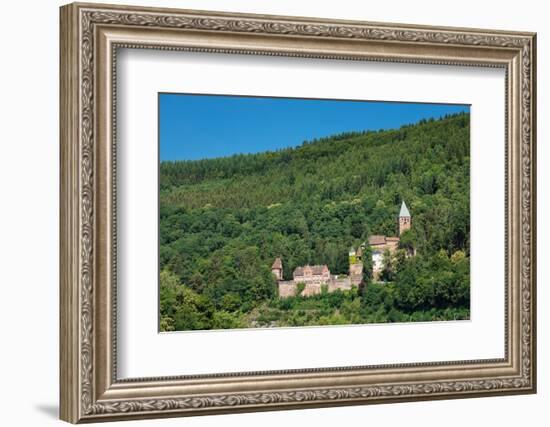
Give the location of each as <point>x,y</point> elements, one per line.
<point>404,218</point>
<point>355,266</point>
<point>351,256</point>
<point>359,253</point>
<point>277,268</point>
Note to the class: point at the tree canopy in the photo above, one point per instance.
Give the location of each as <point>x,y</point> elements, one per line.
<point>223,221</point>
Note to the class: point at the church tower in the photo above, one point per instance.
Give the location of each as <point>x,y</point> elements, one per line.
<point>404,218</point>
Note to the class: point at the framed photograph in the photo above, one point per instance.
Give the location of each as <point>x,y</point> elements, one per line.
<point>266,212</point>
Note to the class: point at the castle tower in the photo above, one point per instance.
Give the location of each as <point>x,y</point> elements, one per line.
<point>359,253</point>
<point>352,255</point>
<point>404,218</point>
<point>356,266</point>
<point>277,268</point>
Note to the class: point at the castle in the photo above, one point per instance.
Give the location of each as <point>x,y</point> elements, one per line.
<point>314,277</point>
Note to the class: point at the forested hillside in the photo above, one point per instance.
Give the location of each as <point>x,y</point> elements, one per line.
<point>224,220</point>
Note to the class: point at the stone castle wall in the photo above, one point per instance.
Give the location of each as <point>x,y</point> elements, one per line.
<point>288,288</point>
<point>356,273</point>
<point>313,288</point>
<point>343,284</point>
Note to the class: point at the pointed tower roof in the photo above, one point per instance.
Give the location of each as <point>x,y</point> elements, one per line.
<point>404,211</point>
<point>277,264</point>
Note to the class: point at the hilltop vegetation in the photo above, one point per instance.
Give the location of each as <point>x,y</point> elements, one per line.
<point>224,220</point>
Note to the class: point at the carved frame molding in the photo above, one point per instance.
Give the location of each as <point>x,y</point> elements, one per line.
<point>90,36</point>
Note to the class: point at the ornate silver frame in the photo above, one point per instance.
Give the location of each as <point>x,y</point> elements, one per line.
<point>90,36</point>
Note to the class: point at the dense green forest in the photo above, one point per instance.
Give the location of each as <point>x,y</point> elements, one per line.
<point>224,220</point>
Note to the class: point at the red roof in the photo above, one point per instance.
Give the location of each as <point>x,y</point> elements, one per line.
<point>377,240</point>
<point>316,270</point>
<point>277,264</point>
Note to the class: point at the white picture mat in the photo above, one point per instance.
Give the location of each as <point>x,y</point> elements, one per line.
<point>143,352</point>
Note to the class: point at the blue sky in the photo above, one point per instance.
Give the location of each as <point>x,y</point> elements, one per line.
<point>195,127</point>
